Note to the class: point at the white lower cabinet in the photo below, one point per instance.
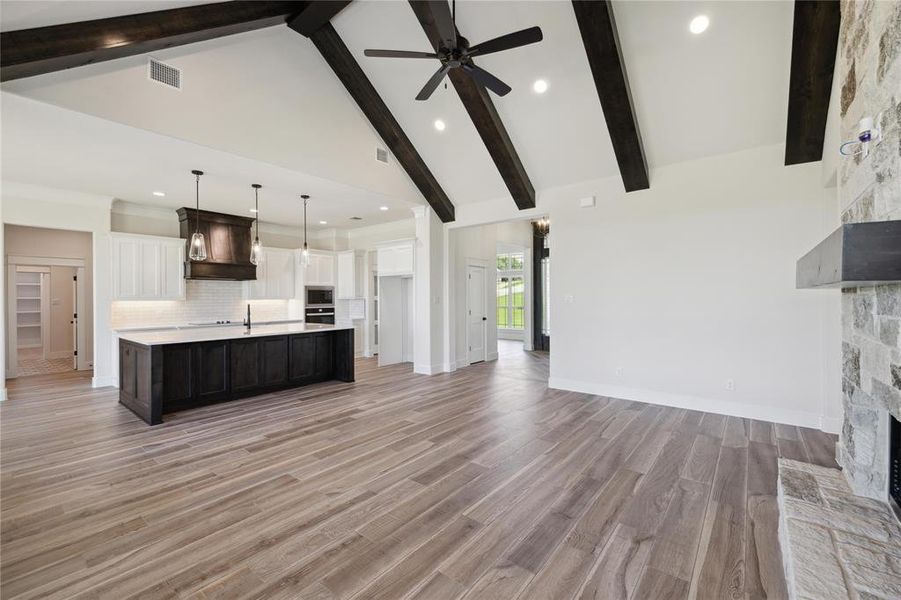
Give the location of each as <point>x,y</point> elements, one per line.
<point>146,267</point>
<point>275,277</point>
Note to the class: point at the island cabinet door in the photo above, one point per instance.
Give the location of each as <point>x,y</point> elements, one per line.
<point>325,356</point>
<point>211,359</point>
<point>274,360</point>
<point>301,357</point>
<point>178,375</point>
<point>245,365</point>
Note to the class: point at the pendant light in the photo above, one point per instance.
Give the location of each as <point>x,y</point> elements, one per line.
<point>542,226</point>
<point>305,253</point>
<point>197,252</point>
<point>256,249</point>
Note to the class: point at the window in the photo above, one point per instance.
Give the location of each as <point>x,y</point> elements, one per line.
<point>510,291</point>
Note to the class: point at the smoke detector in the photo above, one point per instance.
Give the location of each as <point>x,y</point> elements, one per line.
<point>162,73</point>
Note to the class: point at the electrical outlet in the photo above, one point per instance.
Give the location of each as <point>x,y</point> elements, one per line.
<point>619,371</point>
<point>730,385</point>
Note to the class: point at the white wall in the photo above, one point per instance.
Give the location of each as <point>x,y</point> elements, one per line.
<point>664,295</point>
<point>38,206</point>
<point>3,340</point>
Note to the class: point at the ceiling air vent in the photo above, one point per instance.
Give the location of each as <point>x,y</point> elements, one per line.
<point>356,218</point>
<point>163,73</point>
<point>381,154</point>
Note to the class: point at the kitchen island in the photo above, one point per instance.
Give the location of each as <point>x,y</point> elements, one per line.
<point>166,371</point>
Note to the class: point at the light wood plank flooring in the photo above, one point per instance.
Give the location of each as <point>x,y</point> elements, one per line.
<point>477,484</point>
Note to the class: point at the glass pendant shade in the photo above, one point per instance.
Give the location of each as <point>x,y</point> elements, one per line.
<point>305,257</point>
<point>256,249</point>
<point>197,251</point>
<point>198,247</point>
<point>305,254</point>
<point>256,252</point>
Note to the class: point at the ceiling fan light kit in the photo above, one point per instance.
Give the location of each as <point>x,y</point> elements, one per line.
<point>454,52</point>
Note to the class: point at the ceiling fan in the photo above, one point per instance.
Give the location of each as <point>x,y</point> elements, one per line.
<point>454,52</point>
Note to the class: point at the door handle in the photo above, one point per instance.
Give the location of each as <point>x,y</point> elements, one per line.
<point>484,318</point>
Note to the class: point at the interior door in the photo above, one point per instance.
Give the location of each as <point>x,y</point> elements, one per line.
<point>477,313</point>
<point>391,321</point>
<point>75,321</point>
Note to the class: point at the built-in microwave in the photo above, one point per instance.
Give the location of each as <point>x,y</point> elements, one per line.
<point>320,296</point>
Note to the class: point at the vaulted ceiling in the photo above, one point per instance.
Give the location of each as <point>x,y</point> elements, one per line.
<point>269,97</point>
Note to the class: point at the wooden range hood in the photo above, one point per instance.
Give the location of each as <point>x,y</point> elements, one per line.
<point>228,240</point>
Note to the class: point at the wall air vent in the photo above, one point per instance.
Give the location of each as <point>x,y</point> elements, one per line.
<point>163,73</point>
<point>381,154</point>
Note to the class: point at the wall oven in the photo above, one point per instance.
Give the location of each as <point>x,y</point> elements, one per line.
<point>320,314</point>
<point>320,296</point>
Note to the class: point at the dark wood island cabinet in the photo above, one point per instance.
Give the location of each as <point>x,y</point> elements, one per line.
<point>161,372</point>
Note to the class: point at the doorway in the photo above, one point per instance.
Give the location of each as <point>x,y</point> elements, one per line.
<point>476,309</point>
<point>43,304</point>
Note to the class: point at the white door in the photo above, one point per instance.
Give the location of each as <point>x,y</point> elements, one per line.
<point>476,310</point>
<point>392,328</point>
<point>75,322</point>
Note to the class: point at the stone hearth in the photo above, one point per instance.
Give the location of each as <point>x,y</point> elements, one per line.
<point>835,544</point>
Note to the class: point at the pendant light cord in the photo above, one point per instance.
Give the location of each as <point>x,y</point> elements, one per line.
<point>256,195</point>
<point>305,223</point>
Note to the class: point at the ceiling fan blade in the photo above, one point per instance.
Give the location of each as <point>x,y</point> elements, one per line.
<point>433,82</point>
<point>487,80</point>
<point>506,42</point>
<point>399,54</point>
<point>444,22</point>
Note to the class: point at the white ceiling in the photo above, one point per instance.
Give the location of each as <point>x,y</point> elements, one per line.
<point>66,149</point>
<point>269,97</point>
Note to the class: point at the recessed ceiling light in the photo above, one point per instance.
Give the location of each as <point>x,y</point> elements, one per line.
<point>160,194</point>
<point>383,208</point>
<point>440,125</point>
<point>540,86</point>
<point>323,222</point>
<point>699,24</point>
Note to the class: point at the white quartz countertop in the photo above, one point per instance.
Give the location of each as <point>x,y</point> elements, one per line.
<point>206,334</point>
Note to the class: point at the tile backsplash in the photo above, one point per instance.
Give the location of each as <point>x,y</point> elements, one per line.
<point>204,301</point>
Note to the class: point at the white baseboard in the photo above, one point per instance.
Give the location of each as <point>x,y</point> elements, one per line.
<point>491,356</point>
<point>427,369</point>
<point>108,381</point>
<point>2,394</point>
<point>721,407</point>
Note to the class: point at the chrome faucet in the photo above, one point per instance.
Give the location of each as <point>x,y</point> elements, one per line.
<point>247,320</point>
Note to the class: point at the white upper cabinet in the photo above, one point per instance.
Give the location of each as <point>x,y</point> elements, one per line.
<point>350,274</point>
<point>395,259</point>
<point>321,270</point>
<point>147,267</point>
<point>275,276</point>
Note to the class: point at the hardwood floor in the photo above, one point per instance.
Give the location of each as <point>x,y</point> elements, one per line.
<point>478,484</point>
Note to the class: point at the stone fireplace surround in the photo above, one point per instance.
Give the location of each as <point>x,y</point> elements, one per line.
<point>838,535</point>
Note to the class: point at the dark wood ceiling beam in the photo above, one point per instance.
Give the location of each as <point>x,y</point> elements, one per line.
<point>483,114</point>
<point>29,52</point>
<point>601,41</point>
<point>315,15</point>
<point>814,44</point>
<point>342,62</point>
